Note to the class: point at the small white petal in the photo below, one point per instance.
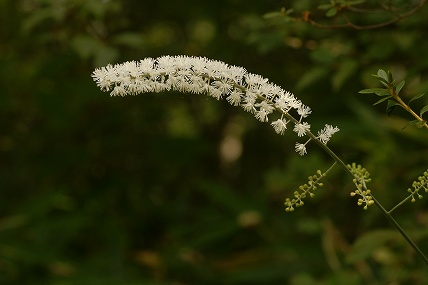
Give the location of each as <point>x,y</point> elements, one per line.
<point>301,129</point>
<point>300,148</point>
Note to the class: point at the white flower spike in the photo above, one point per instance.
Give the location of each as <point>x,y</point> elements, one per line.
<point>199,75</point>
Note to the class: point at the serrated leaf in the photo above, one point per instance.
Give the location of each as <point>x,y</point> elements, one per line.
<point>377,91</point>
<point>382,74</point>
<point>399,86</point>
<point>381,100</point>
<point>416,98</point>
<point>423,110</point>
<point>390,106</point>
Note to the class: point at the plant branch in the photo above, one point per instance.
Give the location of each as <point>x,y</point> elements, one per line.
<point>400,229</point>
<point>406,107</point>
<point>399,204</point>
<point>348,24</point>
<point>379,205</point>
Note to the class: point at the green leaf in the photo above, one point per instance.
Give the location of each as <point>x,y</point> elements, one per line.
<point>272,15</point>
<point>381,100</point>
<point>377,91</point>
<point>390,106</point>
<point>399,86</point>
<point>410,123</point>
<point>423,110</point>
<point>382,74</point>
<point>390,77</point>
<point>421,124</point>
<point>383,81</point>
<point>331,12</point>
<point>416,97</point>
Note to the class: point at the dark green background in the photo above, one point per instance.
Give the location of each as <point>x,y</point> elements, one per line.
<point>134,190</point>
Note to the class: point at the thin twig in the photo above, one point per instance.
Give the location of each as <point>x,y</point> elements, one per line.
<point>348,24</point>
<point>379,205</point>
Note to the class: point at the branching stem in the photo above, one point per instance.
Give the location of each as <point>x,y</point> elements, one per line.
<point>399,204</point>
<point>377,203</point>
<point>349,24</point>
<point>406,107</point>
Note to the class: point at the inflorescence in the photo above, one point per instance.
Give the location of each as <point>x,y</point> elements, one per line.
<point>306,190</point>
<point>362,177</point>
<point>421,183</point>
<point>199,75</point>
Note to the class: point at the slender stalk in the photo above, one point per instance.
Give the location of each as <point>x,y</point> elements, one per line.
<point>400,229</point>
<point>399,204</point>
<point>396,17</point>
<point>405,106</point>
<point>379,205</point>
<point>112,78</point>
<point>323,146</point>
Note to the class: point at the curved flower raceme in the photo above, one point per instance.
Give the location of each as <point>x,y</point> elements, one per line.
<point>199,75</point>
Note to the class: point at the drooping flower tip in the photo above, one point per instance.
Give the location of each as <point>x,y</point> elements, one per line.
<point>199,75</point>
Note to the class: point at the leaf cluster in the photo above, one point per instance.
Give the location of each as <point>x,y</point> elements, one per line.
<point>335,6</point>
<point>391,94</point>
<point>349,13</point>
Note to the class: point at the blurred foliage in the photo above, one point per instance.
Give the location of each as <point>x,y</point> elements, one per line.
<point>174,189</point>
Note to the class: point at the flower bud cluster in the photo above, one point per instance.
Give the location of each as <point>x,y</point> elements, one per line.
<point>365,199</point>
<point>199,75</point>
<point>421,183</point>
<point>306,190</point>
<point>361,178</point>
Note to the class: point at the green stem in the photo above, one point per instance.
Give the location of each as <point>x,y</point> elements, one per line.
<point>379,205</point>
<point>399,204</point>
<point>400,229</point>
<point>348,171</point>
<point>405,106</point>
